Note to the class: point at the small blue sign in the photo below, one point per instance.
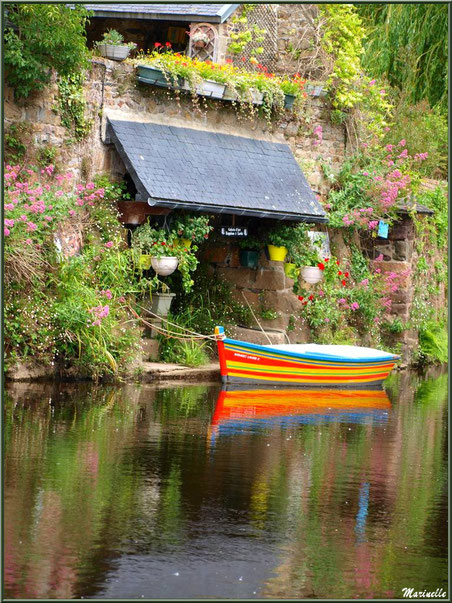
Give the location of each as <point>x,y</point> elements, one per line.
<point>383,229</point>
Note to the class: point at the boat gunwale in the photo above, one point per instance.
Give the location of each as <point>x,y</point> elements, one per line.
<point>312,355</point>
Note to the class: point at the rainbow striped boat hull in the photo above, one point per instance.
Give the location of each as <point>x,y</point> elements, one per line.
<point>302,365</point>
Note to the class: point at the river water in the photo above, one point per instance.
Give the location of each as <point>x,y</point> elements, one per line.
<point>184,492</point>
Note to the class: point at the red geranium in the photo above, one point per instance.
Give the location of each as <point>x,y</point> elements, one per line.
<point>300,297</point>
<point>339,273</point>
<point>344,283</point>
<point>321,266</point>
<point>157,45</point>
<point>168,44</point>
<point>311,297</point>
<point>346,274</point>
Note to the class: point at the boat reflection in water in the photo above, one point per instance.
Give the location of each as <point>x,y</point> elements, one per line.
<point>236,409</point>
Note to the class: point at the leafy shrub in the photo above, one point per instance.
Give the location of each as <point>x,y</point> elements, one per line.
<point>41,37</point>
<point>433,341</point>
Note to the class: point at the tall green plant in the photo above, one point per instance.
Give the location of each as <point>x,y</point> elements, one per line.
<point>41,37</point>
<point>406,43</point>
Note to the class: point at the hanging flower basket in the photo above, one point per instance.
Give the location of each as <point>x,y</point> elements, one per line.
<point>145,261</point>
<point>277,254</point>
<point>291,270</point>
<point>311,274</point>
<point>164,266</point>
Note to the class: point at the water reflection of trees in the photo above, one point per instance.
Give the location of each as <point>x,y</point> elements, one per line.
<point>104,472</point>
<point>404,467</point>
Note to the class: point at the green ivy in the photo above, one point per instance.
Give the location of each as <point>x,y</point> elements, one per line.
<point>72,105</point>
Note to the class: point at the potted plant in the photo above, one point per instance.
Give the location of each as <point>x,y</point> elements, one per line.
<point>280,238</point>
<point>160,300</point>
<point>156,249</point>
<point>214,79</point>
<point>112,46</point>
<point>249,251</point>
<point>304,254</point>
<point>200,39</point>
<point>292,88</point>
<point>192,229</point>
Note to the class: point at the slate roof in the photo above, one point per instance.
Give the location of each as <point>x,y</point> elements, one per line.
<point>208,171</point>
<point>212,13</point>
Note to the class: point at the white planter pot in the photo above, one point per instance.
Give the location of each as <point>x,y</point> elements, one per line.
<point>210,88</point>
<point>230,94</point>
<point>164,266</point>
<point>117,53</point>
<point>161,303</point>
<point>311,274</point>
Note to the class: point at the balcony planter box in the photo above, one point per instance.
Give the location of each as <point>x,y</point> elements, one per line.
<point>289,100</point>
<point>230,94</point>
<point>211,89</point>
<point>165,265</point>
<point>311,274</point>
<point>114,52</point>
<point>258,97</point>
<point>152,75</point>
<point>249,258</point>
<point>161,303</point>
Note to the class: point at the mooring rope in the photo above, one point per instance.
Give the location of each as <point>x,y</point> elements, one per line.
<point>167,332</point>
<point>251,309</point>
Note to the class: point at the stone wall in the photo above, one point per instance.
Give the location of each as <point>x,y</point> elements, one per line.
<point>111,87</point>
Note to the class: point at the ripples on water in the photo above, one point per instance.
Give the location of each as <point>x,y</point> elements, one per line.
<point>185,492</point>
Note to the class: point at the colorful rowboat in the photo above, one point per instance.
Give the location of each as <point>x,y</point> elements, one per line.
<point>236,410</point>
<point>302,364</point>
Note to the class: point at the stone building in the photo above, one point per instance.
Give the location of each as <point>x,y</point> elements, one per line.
<point>242,171</point>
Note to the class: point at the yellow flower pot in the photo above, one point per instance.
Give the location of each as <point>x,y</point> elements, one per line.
<point>184,243</point>
<point>277,254</point>
<point>145,261</point>
<point>291,270</point>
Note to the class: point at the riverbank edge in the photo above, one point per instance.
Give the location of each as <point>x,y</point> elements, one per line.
<point>145,372</point>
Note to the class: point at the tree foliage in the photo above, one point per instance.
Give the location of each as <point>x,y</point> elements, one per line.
<point>41,37</point>
<point>407,44</point>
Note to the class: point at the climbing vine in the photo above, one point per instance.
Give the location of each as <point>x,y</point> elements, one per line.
<point>246,34</point>
<point>72,105</point>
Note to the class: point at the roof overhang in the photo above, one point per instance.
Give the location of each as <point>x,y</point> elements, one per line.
<point>205,171</point>
<point>121,12</point>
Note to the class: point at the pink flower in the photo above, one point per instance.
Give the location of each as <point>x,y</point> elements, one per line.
<point>59,193</point>
<point>79,202</point>
<point>31,227</point>
<point>24,218</point>
<point>403,154</point>
<point>354,306</point>
<point>386,129</point>
<point>122,299</point>
<point>382,92</point>
<point>327,320</point>
<point>364,282</point>
<point>373,224</point>
<point>28,241</point>
<point>9,222</point>
<point>402,143</point>
<point>389,147</point>
<point>341,301</point>
<point>90,185</point>
<point>6,231</point>
<point>9,206</point>
<point>48,218</point>
<point>365,173</point>
<point>379,258</point>
<point>109,244</point>
<point>72,212</point>
<point>372,82</point>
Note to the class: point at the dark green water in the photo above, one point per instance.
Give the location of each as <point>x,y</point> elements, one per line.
<point>131,492</point>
